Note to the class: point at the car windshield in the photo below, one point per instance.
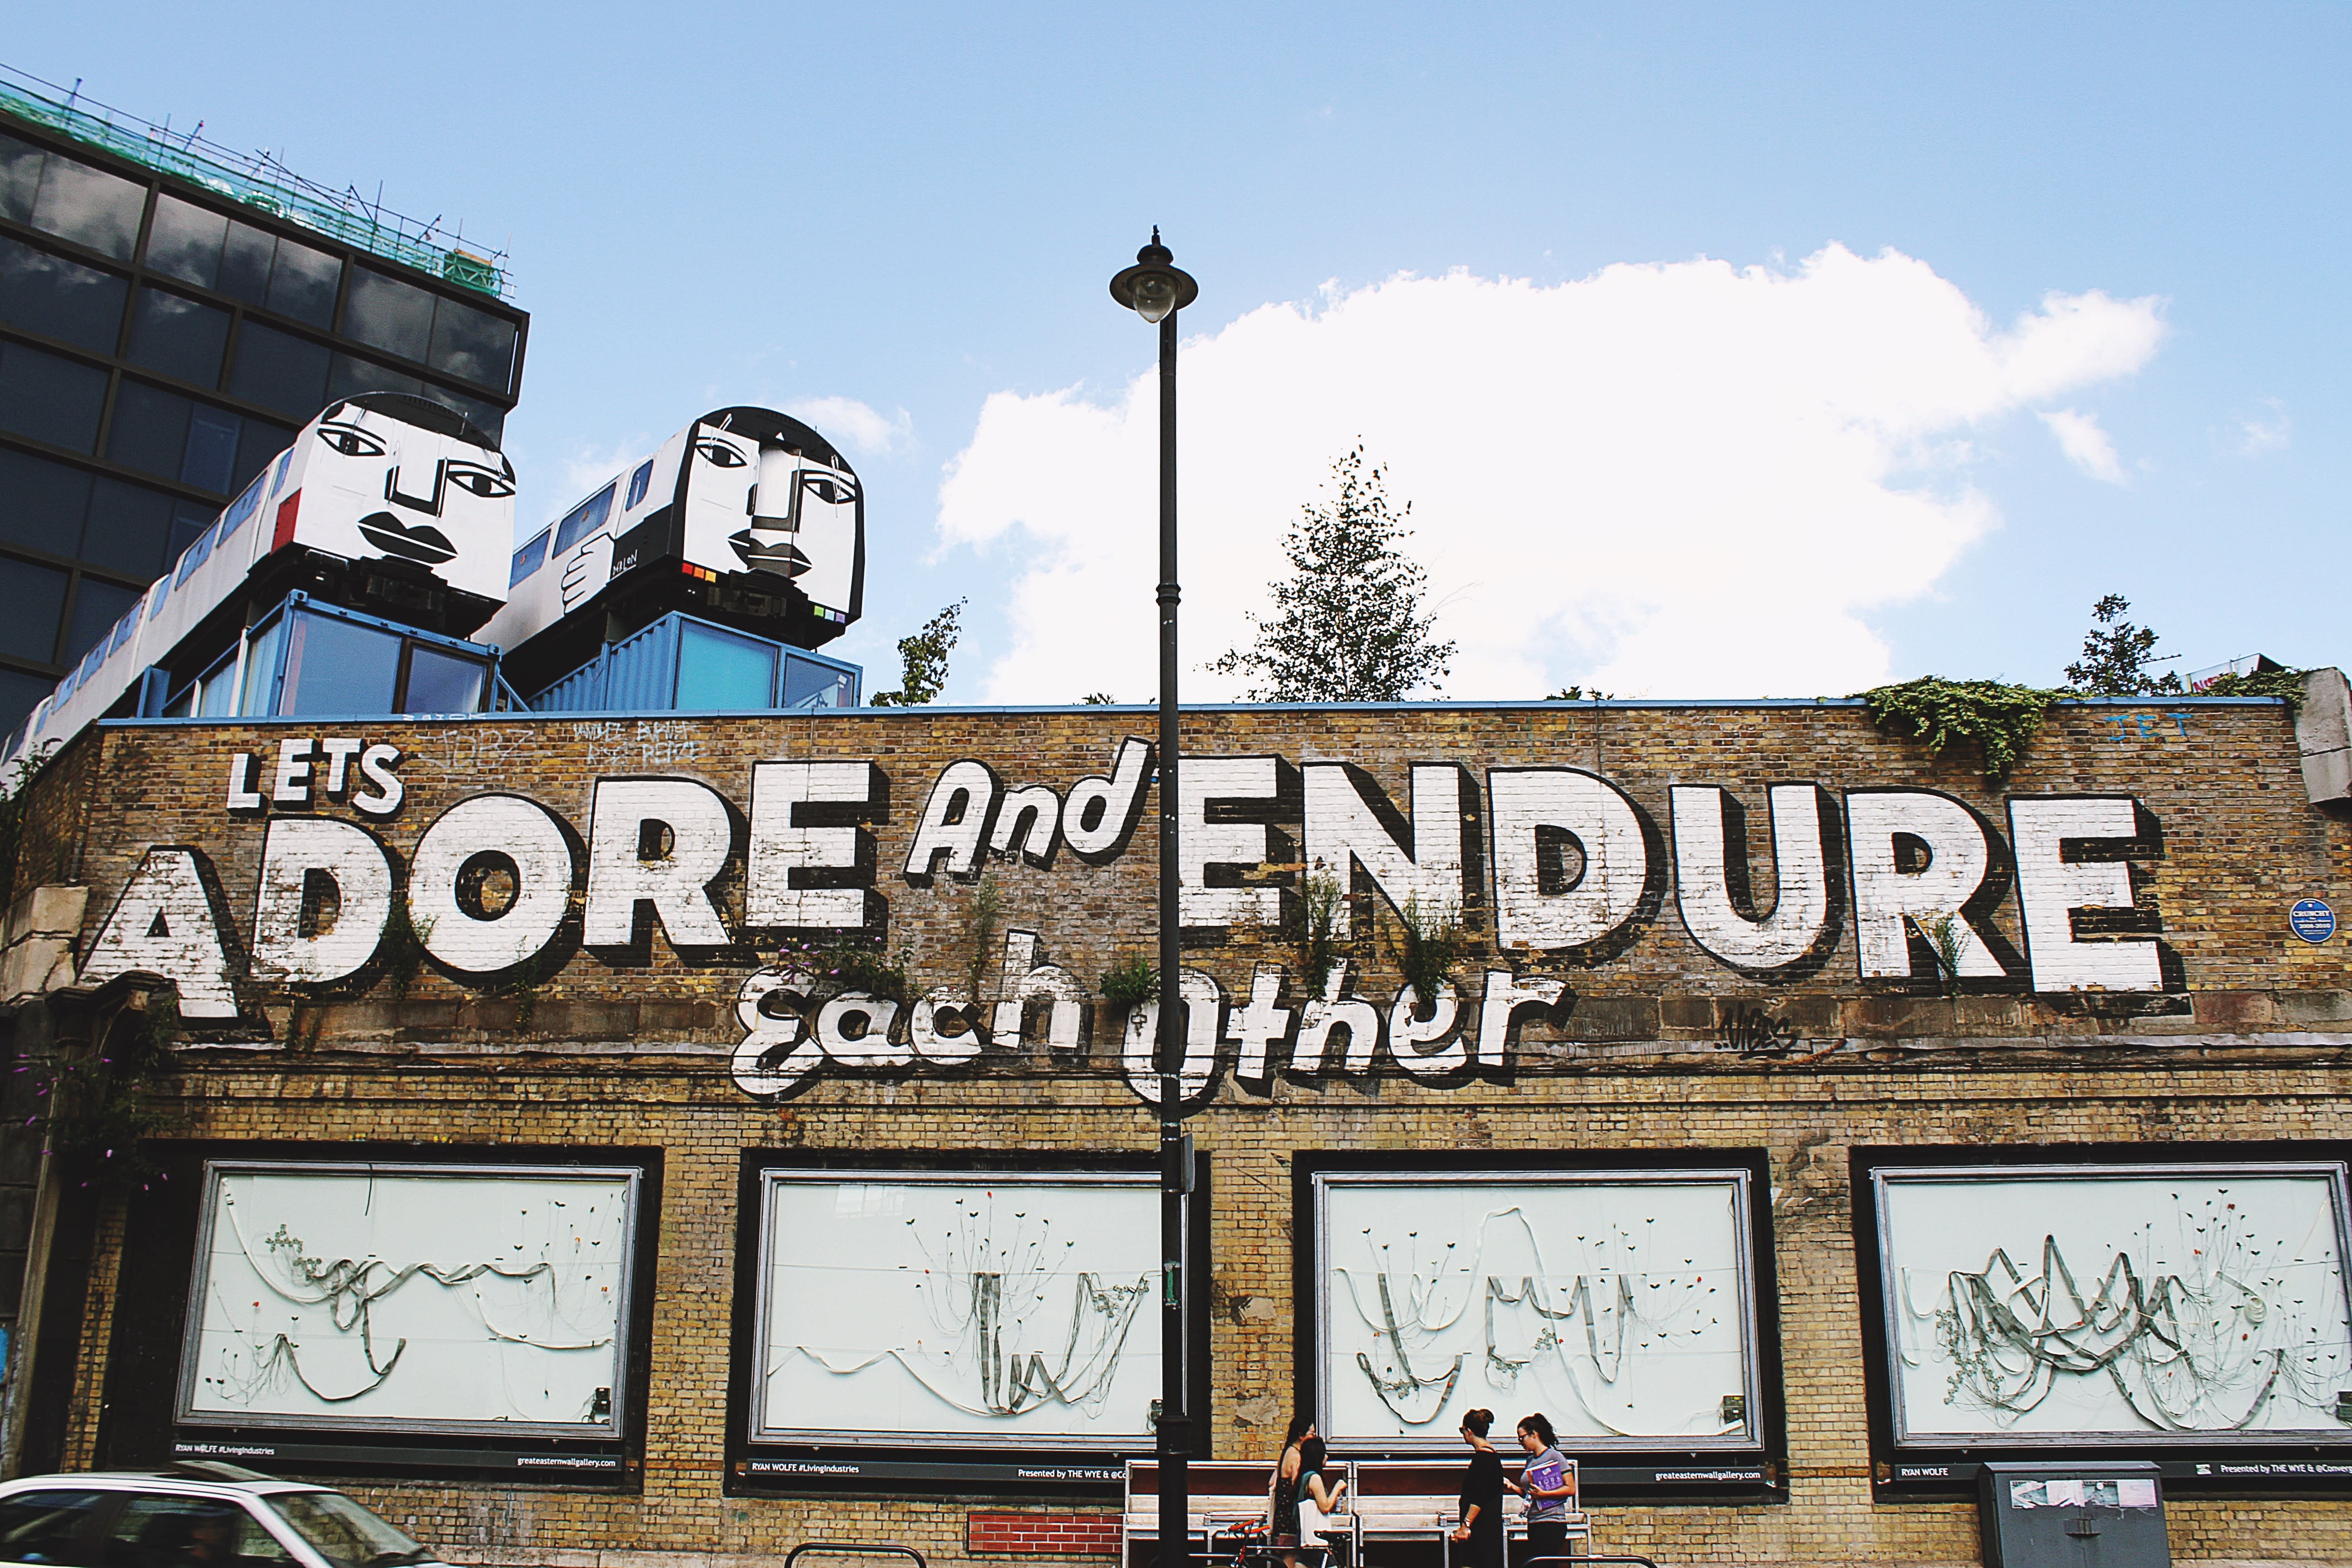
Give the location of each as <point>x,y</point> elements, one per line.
<point>344,1533</point>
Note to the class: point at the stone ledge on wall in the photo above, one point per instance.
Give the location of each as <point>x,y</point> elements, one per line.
<point>38,958</point>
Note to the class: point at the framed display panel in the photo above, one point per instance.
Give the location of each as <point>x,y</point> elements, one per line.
<point>953,1324</point>
<point>2193,1308</point>
<point>387,1312</point>
<point>1628,1300</point>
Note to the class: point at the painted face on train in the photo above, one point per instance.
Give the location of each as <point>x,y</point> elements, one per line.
<point>771,509</point>
<point>375,486</point>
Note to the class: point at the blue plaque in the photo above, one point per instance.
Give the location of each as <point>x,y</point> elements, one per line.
<point>2312,919</point>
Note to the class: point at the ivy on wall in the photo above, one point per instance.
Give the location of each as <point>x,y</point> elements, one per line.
<point>1999,719</point>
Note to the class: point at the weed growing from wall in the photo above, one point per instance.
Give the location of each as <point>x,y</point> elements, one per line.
<point>1130,983</point>
<point>1433,943</point>
<point>2000,719</point>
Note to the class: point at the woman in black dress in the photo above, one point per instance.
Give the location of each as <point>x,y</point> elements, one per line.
<point>1482,1486</point>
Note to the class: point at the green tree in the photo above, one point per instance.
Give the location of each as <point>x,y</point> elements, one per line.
<point>923,662</point>
<point>2116,656</point>
<point>1347,625</point>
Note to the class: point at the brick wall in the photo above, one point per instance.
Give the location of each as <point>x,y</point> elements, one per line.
<point>1658,1051</point>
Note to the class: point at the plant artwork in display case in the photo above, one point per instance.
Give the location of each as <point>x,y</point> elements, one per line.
<point>411,1298</point>
<point>1621,1304</point>
<point>2098,1302</point>
<point>980,1309</point>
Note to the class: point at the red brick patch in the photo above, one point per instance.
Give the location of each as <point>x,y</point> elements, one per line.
<point>1042,1534</point>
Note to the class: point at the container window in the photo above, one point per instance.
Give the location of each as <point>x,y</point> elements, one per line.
<point>720,672</point>
<point>440,681</point>
<point>338,667</point>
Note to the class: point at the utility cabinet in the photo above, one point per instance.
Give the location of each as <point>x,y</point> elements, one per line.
<point>2093,1514</point>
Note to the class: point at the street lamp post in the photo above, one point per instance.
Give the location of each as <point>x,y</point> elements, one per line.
<point>1155,289</point>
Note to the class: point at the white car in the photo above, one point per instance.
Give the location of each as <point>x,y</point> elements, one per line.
<point>198,1515</point>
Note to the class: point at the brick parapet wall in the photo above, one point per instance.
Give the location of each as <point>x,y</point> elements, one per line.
<point>639,1056</point>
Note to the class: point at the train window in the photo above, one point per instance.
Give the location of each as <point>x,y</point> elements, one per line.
<point>97,608</point>
<point>90,206</point>
<point>59,298</point>
<point>529,559</point>
<point>193,556</point>
<point>583,519</point>
<point>302,283</point>
<point>185,242</point>
<point>124,628</point>
<point>242,507</point>
<point>473,343</point>
<point>179,336</point>
<point>46,502</point>
<point>386,314</point>
<point>279,371</point>
<point>49,397</point>
<point>639,483</point>
<point>36,597</point>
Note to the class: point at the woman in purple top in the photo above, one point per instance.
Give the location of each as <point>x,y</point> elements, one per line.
<point>1545,1482</point>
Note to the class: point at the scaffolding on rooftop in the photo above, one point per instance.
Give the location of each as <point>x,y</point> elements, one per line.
<point>259,181</point>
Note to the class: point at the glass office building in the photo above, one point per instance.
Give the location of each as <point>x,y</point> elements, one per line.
<point>167,322</point>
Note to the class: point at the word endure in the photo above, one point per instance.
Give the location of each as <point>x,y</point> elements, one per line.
<point>1560,863</point>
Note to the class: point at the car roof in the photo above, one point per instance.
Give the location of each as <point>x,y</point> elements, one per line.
<point>157,1480</point>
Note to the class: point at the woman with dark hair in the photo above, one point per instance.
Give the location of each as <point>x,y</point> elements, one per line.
<point>1482,1486</point>
<point>1545,1484</point>
<point>1319,1496</point>
<point>1282,1498</point>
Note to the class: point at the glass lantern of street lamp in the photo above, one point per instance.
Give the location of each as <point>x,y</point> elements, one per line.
<point>1152,287</point>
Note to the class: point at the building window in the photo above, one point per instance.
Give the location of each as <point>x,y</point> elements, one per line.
<point>68,198</point>
<point>182,338</point>
<point>59,298</point>
<point>177,437</point>
<point>279,371</point>
<point>36,597</point>
<point>50,398</point>
<point>42,503</point>
<point>386,313</point>
<point>472,344</point>
<point>212,251</point>
<point>97,607</point>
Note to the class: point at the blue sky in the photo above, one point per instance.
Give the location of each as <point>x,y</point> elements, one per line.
<point>917,209</point>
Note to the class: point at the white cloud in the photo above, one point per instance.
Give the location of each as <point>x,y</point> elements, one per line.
<point>2086,445</point>
<point>853,425</point>
<point>1674,480</point>
<point>2262,433</point>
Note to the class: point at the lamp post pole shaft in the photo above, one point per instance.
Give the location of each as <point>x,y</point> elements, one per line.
<point>1173,1439</point>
